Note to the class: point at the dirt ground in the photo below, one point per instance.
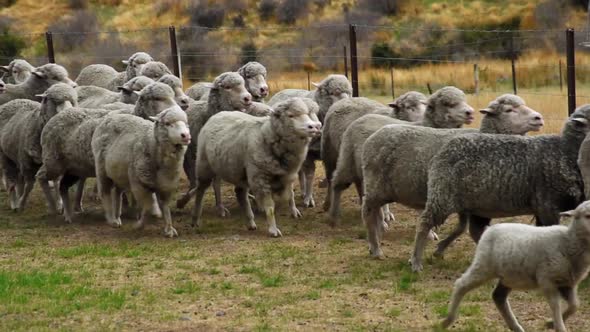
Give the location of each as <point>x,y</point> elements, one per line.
<point>89,276</point>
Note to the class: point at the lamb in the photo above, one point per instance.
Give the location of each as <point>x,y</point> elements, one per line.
<point>408,107</point>
<point>261,154</point>
<point>227,94</point>
<point>90,96</point>
<point>143,157</point>
<point>553,259</point>
<point>254,75</point>
<point>17,71</point>
<point>176,84</point>
<point>402,174</point>
<point>516,175</point>
<point>105,76</point>
<point>41,79</point>
<point>332,89</point>
<point>66,141</point>
<point>20,148</point>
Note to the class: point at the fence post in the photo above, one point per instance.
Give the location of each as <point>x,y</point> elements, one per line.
<point>512,60</point>
<point>353,61</point>
<point>174,52</point>
<point>429,88</point>
<point>308,80</point>
<point>476,78</point>
<point>560,76</point>
<point>345,63</point>
<point>392,83</point>
<point>50,52</point>
<point>571,71</point>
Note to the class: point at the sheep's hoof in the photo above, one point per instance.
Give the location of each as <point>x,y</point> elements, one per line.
<point>196,223</point>
<point>377,254</point>
<point>447,322</point>
<point>138,225</point>
<point>549,325</point>
<point>308,202</point>
<point>439,254</point>
<point>274,232</point>
<point>170,232</point>
<point>432,236</point>
<point>385,226</point>
<point>252,226</point>
<point>295,213</point>
<point>416,265</point>
<point>223,212</point>
<point>389,217</point>
<point>78,209</point>
<point>115,223</point>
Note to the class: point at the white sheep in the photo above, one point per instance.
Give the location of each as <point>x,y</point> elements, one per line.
<point>90,96</point>
<point>106,77</point>
<point>143,157</point>
<point>554,259</point>
<point>176,84</point>
<point>41,79</point>
<point>261,154</point>
<point>154,70</point>
<point>17,71</point>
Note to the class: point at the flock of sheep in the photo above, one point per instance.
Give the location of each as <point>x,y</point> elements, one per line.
<point>135,131</point>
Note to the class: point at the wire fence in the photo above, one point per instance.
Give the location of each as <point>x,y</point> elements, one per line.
<point>390,59</point>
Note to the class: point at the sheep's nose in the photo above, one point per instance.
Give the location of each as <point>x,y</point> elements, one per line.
<point>248,99</point>
<point>264,90</point>
<point>537,118</point>
<point>74,85</point>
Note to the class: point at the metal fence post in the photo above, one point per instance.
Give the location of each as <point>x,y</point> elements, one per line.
<point>174,52</point>
<point>345,63</point>
<point>571,71</point>
<point>476,79</point>
<point>513,60</point>
<point>560,76</point>
<point>392,82</point>
<point>50,52</point>
<point>353,61</point>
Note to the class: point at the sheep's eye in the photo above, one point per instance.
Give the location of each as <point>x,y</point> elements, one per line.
<point>291,115</point>
<point>587,216</point>
<point>167,124</point>
<point>510,110</point>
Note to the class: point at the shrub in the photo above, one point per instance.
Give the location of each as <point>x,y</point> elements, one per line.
<point>208,16</point>
<point>387,7</point>
<point>11,44</point>
<point>239,21</point>
<point>290,11</point>
<point>78,4</point>
<point>266,9</point>
<point>81,21</point>
<point>379,54</point>
<point>248,53</point>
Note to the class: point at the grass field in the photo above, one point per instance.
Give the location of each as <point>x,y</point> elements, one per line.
<point>88,276</point>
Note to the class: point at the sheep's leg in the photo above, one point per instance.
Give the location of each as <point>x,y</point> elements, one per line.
<point>457,231</point>
<point>428,220</point>
<point>360,190</point>
<point>302,182</point>
<point>20,185</point>
<point>569,294</point>
<point>269,209</point>
<point>118,202</point>
<point>164,200</point>
<point>242,197</point>
<point>202,186</point>
<point>105,186</point>
<point>554,298</point>
<point>29,184</point>
<point>471,279</point>
<point>51,201</point>
<point>189,165</point>
<point>146,200</point>
<point>79,195</point>
<point>500,296</point>
<point>295,213</point>
<point>64,185</point>
<point>223,212</point>
<point>155,209</point>
<point>327,200</point>
<point>372,217</point>
<point>477,225</point>
<point>309,170</point>
<point>336,188</point>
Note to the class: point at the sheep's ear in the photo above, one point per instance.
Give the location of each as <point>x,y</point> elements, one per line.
<point>125,62</point>
<point>154,118</point>
<point>485,111</point>
<point>4,69</point>
<point>317,85</point>
<point>42,95</point>
<point>393,105</point>
<point>123,88</point>
<point>138,93</point>
<point>581,121</point>
<point>424,102</point>
<point>569,213</point>
<point>39,74</point>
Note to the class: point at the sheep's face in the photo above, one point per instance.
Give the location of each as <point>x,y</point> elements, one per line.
<point>59,97</point>
<point>519,118</point>
<point>173,122</point>
<point>2,86</point>
<point>155,98</point>
<point>581,215</point>
<point>19,71</point>
<point>137,61</point>
<point>409,109</point>
<point>296,117</point>
<point>237,94</point>
<point>133,85</point>
<point>458,112</point>
<point>154,70</point>
<point>174,82</point>
<point>336,87</point>
<point>53,74</point>
<point>257,86</point>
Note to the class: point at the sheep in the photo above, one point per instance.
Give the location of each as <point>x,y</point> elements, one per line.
<point>90,96</point>
<point>143,157</point>
<point>330,90</point>
<point>20,148</point>
<point>176,84</point>
<point>402,175</point>
<point>66,141</point>
<point>41,79</point>
<point>155,70</point>
<point>227,94</point>
<point>106,77</point>
<point>408,107</point>
<point>258,109</point>
<point>17,71</point>
<point>553,259</point>
<point>262,154</point>
<point>254,75</point>
<point>516,175</point>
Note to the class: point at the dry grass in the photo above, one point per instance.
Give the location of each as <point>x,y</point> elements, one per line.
<point>88,276</point>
